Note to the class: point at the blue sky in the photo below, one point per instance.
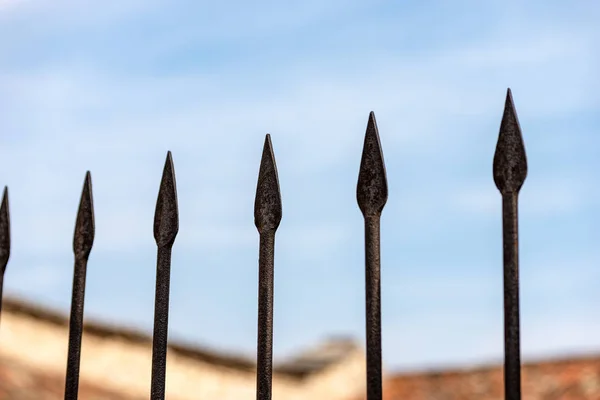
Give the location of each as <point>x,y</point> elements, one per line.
<point>111,86</point>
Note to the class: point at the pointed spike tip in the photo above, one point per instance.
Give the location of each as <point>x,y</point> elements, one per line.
<point>267,203</point>
<point>83,239</point>
<point>372,189</point>
<point>4,232</point>
<point>166,215</point>
<point>510,160</point>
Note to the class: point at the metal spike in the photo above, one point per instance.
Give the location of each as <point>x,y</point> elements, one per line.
<point>372,193</point>
<point>166,226</point>
<point>166,216</point>
<point>372,190</point>
<point>267,216</point>
<point>4,240</point>
<point>510,161</point>
<point>267,204</point>
<point>82,245</point>
<point>4,232</point>
<point>83,239</point>
<point>510,171</point>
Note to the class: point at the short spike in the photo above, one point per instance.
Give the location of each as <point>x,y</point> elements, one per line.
<point>267,204</point>
<point>166,216</point>
<point>166,226</point>
<point>84,226</point>
<point>372,190</point>
<point>510,161</point>
<point>4,240</point>
<point>83,239</point>
<point>4,232</point>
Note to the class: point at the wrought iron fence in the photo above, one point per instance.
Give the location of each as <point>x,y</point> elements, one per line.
<point>509,172</point>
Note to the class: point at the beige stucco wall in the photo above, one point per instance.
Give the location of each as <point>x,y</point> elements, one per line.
<point>125,367</point>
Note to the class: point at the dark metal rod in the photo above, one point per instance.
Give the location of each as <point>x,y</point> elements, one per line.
<point>264,361</point>
<point>83,240</point>
<point>373,306</point>
<point>75,330</point>
<point>166,227</point>
<point>4,240</point>
<point>371,194</point>
<point>267,216</point>
<point>510,171</point>
<point>1,292</point>
<point>161,323</point>
<point>512,355</point>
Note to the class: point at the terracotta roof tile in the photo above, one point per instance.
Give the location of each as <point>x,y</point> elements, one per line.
<point>575,379</point>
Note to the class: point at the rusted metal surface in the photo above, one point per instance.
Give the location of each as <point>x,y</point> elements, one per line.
<point>166,226</point>
<point>83,239</point>
<point>371,194</point>
<point>267,216</point>
<point>510,171</point>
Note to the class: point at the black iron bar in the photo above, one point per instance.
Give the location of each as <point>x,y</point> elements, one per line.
<point>371,194</point>
<point>4,240</point>
<point>267,216</point>
<point>166,226</point>
<point>510,171</point>
<point>83,239</point>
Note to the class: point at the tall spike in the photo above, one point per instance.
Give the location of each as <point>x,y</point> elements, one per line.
<point>267,216</point>
<point>510,171</point>
<point>4,240</point>
<point>371,194</point>
<point>166,227</point>
<point>83,240</point>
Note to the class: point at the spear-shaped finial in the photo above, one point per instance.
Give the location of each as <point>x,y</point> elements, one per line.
<point>372,190</point>
<point>4,232</point>
<point>166,227</point>
<point>4,240</point>
<point>166,216</point>
<point>510,161</point>
<point>267,203</point>
<point>372,193</point>
<point>510,171</point>
<point>267,216</point>
<point>83,240</point>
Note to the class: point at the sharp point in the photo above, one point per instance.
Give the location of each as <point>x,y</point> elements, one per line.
<point>267,203</point>
<point>166,215</point>
<point>372,190</point>
<point>510,160</point>
<point>83,239</point>
<point>4,204</point>
<point>4,232</point>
